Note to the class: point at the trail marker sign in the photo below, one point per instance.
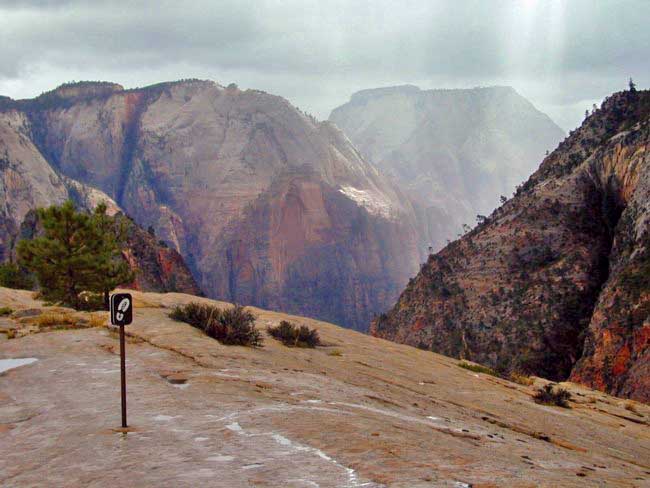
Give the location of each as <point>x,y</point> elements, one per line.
<point>121,309</point>
<point>121,315</point>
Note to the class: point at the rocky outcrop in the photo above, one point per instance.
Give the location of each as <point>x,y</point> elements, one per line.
<point>555,282</point>
<point>266,205</point>
<point>28,181</point>
<point>156,267</point>
<point>455,151</point>
<point>369,415</point>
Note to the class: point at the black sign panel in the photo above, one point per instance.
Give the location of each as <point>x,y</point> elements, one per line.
<point>121,309</point>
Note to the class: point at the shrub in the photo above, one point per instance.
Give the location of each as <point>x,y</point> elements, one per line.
<point>11,276</point>
<point>547,395</point>
<point>236,326</point>
<point>5,311</point>
<point>233,326</point>
<point>521,379</point>
<point>294,336</point>
<point>477,368</point>
<point>89,301</point>
<point>51,319</point>
<point>97,320</point>
<point>631,407</point>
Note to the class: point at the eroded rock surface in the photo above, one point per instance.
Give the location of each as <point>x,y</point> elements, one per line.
<point>373,414</point>
<point>555,282</point>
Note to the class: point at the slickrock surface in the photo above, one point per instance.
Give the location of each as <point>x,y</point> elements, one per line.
<point>359,411</point>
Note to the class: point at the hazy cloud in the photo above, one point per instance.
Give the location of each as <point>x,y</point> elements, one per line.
<point>561,54</point>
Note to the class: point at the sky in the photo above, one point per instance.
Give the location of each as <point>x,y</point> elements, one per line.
<point>563,55</point>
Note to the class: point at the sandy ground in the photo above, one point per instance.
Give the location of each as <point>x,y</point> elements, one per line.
<point>359,412</point>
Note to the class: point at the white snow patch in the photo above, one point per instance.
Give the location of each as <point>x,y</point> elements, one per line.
<point>164,418</point>
<point>7,364</point>
<point>104,371</point>
<point>353,479</point>
<point>221,459</point>
<point>375,204</point>
<point>235,427</point>
<point>283,441</point>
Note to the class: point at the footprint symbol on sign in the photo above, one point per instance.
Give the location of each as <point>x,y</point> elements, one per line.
<point>121,308</point>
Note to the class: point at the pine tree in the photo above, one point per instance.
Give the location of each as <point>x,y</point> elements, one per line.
<point>113,269</point>
<point>79,252</point>
<point>64,258</point>
<point>632,85</point>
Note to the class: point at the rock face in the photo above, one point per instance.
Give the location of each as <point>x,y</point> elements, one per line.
<point>369,416</point>
<point>456,151</point>
<point>267,206</point>
<point>157,267</point>
<point>28,181</point>
<point>556,281</point>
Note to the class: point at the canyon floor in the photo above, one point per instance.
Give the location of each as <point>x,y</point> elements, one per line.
<point>357,412</point>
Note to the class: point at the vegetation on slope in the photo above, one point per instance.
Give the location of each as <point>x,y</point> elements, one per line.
<point>295,336</point>
<point>78,253</point>
<point>231,326</point>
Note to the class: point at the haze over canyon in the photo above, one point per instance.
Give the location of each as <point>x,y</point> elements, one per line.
<point>267,205</point>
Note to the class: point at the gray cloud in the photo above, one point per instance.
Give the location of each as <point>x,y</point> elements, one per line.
<point>561,54</point>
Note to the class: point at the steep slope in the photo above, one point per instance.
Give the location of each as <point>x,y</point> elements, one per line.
<point>157,267</point>
<point>267,206</point>
<point>555,282</point>
<point>373,414</point>
<point>27,181</point>
<point>456,151</point>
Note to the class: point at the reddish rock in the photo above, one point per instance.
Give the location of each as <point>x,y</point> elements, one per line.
<point>266,205</point>
<point>555,282</point>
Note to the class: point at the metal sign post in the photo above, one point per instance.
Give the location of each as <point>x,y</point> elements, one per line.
<point>121,315</point>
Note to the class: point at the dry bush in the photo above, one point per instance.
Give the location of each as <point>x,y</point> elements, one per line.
<point>50,319</point>
<point>631,407</point>
<point>522,379</point>
<point>295,336</point>
<point>477,368</point>
<point>97,320</point>
<point>232,326</point>
<point>549,395</point>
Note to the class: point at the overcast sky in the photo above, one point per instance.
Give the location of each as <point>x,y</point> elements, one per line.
<point>563,55</point>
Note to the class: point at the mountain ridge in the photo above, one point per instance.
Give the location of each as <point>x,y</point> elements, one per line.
<point>552,282</point>
<point>200,162</point>
<point>455,151</point>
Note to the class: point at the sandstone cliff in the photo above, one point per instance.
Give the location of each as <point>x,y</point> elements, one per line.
<point>266,205</point>
<point>555,282</point>
<point>28,181</point>
<point>456,151</point>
